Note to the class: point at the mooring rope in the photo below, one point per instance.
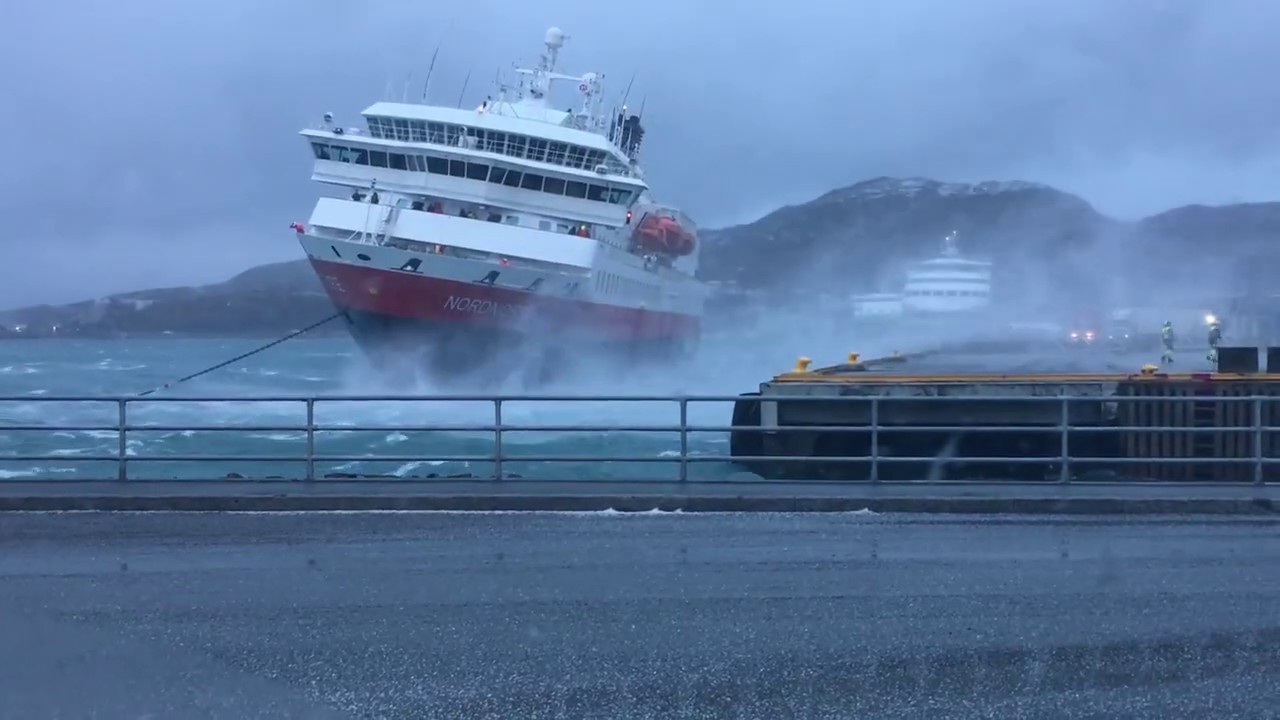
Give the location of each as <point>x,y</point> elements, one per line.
<point>242,356</point>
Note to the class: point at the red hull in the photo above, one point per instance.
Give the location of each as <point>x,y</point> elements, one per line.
<point>417,297</point>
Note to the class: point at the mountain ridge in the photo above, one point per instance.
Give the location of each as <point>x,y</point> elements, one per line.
<point>851,239</point>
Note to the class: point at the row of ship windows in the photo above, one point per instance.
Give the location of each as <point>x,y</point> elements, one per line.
<point>473,171</point>
<point>947,293</point>
<point>502,143</point>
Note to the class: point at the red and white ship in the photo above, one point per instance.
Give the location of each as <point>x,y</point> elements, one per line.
<point>460,235</point>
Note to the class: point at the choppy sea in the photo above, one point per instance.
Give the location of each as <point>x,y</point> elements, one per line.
<point>733,361</point>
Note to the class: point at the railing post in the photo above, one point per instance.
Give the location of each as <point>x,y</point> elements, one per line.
<point>684,439</point>
<point>311,439</point>
<point>497,438</point>
<point>1064,473</point>
<point>875,439</point>
<point>1258,439</point>
<point>122,446</point>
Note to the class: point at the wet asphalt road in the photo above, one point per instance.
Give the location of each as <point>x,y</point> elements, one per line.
<point>651,616</point>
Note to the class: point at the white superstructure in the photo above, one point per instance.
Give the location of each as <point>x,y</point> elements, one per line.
<point>948,283</point>
<point>510,205</point>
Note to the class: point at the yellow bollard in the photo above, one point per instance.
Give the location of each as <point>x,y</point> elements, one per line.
<point>802,364</point>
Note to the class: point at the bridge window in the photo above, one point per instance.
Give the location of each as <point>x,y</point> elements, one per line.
<point>531,182</point>
<point>537,149</point>
<point>519,146</point>
<point>472,171</point>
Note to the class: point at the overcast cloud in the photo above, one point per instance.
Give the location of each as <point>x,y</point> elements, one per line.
<point>154,143</point>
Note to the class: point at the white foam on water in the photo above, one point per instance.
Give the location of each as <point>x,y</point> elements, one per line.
<point>280,436</point>
<point>18,370</point>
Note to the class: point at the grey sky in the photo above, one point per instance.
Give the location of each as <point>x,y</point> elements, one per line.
<point>154,142</point>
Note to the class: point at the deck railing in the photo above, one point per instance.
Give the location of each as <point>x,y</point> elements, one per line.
<point>1259,438</point>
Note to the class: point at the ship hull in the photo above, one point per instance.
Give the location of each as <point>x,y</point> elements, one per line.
<point>452,329</point>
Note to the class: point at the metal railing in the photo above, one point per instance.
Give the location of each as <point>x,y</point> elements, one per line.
<point>875,431</point>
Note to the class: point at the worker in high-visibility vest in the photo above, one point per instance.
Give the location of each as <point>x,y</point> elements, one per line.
<point>1166,340</point>
<point>1215,337</point>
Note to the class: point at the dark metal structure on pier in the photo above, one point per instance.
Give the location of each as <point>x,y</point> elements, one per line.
<point>948,415</point>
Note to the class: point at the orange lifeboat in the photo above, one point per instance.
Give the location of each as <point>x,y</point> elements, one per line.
<point>662,234</point>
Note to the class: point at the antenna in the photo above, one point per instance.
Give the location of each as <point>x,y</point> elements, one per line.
<point>464,88</point>
<point>627,94</point>
<point>427,83</point>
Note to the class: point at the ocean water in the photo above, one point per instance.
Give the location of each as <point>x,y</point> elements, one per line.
<point>731,360</point>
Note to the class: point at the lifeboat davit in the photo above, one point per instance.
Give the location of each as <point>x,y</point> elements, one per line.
<point>658,233</point>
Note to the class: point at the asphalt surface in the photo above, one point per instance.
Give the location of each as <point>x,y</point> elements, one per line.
<point>737,494</point>
<point>425,615</point>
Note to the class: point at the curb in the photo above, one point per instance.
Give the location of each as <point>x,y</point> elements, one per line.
<point>638,503</point>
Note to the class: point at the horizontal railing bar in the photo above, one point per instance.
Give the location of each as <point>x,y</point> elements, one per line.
<point>632,459</point>
<point>1108,398</point>
<point>216,428</point>
<point>1048,428</point>
<point>60,458</point>
<point>712,482</point>
<point>504,458</point>
<point>1037,459</point>
<point>59,428</point>
<point>491,428</point>
<point>1044,429</point>
<point>300,458</point>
